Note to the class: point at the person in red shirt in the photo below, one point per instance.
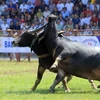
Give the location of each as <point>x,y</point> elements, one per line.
<point>55,1</point>
<point>87,11</point>
<point>94,18</point>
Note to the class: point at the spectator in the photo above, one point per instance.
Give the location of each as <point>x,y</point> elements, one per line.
<point>39,14</point>
<point>46,2</point>
<point>65,12</point>
<point>8,19</point>
<point>60,5</point>
<point>32,13</point>
<point>12,26</point>
<point>95,26</point>
<point>55,11</point>
<point>28,18</point>
<point>42,6</point>
<point>32,26</point>
<point>32,2</point>
<point>37,24</point>
<point>68,26</point>
<point>4,27</point>
<point>17,26</point>
<point>24,26</point>
<point>5,12</point>
<point>82,19</point>
<point>87,11</point>
<point>76,20</point>
<point>22,19</point>
<point>96,11</point>
<point>35,18</point>
<point>3,6</point>
<point>11,6</point>
<point>15,19</point>
<point>13,13</point>
<point>23,7</point>
<point>77,11</point>
<point>84,2</point>
<point>29,6</point>
<point>59,25</point>
<point>88,19</point>
<point>46,12</point>
<point>51,5</point>
<point>88,30</point>
<point>81,7</point>
<point>94,18</point>
<point>69,5</point>
<point>77,27</point>
<point>15,1</point>
<point>2,18</point>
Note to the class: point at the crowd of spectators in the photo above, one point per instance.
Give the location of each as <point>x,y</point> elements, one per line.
<point>19,15</point>
<point>32,14</point>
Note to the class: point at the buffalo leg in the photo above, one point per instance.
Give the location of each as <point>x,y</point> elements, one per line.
<point>60,76</point>
<point>65,83</point>
<point>39,77</point>
<point>92,84</point>
<point>55,64</point>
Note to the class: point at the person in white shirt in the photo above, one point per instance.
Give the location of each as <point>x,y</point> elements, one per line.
<point>85,2</point>
<point>15,1</point>
<point>60,5</point>
<point>23,7</point>
<point>8,19</point>
<point>4,27</point>
<point>82,20</point>
<point>3,6</point>
<point>30,5</point>
<point>46,12</point>
<point>32,1</point>
<point>69,5</point>
<point>87,19</point>
<point>46,2</point>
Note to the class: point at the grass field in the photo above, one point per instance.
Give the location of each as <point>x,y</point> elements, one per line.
<point>16,80</point>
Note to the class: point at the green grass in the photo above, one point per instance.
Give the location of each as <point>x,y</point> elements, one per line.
<point>16,80</point>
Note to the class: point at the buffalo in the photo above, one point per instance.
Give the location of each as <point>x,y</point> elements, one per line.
<point>45,59</point>
<point>70,57</point>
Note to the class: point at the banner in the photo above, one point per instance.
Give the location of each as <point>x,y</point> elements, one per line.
<point>6,46</point>
<point>87,40</point>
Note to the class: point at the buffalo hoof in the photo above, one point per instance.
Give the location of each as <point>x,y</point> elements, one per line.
<point>98,86</point>
<point>66,91</point>
<point>52,90</point>
<point>33,89</point>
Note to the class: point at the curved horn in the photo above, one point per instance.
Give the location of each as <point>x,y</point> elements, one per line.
<point>37,30</point>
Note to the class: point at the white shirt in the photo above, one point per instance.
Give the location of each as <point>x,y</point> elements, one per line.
<point>4,27</point>
<point>46,2</point>
<point>82,21</point>
<point>8,20</point>
<point>87,20</point>
<point>14,1</point>
<point>85,2</point>
<point>32,1</point>
<point>60,6</point>
<point>23,7</point>
<point>2,7</point>
<point>69,7</point>
<point>46,13</point>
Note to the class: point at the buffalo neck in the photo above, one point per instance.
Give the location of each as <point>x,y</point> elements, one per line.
<point>51,37</point>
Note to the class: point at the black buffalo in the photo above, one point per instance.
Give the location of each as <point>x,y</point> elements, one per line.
<point>45,59</point>
<point>70,57</point>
